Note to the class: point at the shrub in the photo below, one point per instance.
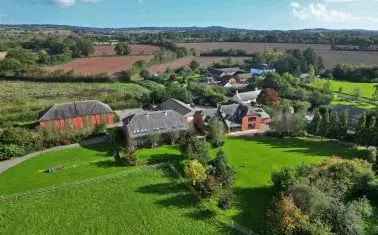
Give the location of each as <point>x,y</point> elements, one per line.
<point>216,132</point>
<point>195,171</point>
<point>10,151</point>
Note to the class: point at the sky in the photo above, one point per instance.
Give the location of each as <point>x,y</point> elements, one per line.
<point>250,14</point>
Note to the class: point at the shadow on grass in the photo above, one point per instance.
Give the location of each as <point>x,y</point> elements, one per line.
<point>108,164</point>
<point>104,149</point>
<point>253,204</point>
<point>164,158</point>
<point>312,147</point>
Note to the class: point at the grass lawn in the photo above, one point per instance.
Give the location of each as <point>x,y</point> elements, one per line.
<point>367,89</point>
<point>256,159</point>
<point>144,200</point>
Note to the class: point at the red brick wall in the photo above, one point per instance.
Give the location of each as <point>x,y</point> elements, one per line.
<point>79,122</point>
<point>253,122</point>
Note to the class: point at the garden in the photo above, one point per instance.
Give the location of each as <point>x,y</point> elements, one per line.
<point>149,197</point>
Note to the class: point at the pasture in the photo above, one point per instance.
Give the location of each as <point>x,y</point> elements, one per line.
<point>330,57</point>
<point>366,89</point>
<point>153,198</point>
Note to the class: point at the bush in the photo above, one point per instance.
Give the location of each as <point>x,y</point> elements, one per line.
<point>195,171</point>
<point>10,151</point>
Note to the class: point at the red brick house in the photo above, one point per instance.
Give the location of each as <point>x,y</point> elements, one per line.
<point>77,115</point>
<point>240,117</point>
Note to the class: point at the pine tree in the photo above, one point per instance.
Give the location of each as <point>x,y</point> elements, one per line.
<point>361,130</point>
<point>314,126</point>
<point>343,125</point>
<point>333,128</point>
<point>325,124</point>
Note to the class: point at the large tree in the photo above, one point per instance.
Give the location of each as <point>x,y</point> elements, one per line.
<point>122,49</point>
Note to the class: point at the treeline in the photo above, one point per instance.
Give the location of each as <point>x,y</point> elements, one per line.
<point>25,55</point>
<point>337,125</point>
<point>218,34</point>
<point>355,73</point>
<point>292,61</point>
<point>223,52</point>
<point>289,87</point>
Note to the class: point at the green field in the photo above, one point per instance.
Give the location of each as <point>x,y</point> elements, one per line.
<point>367,89</point>
<point>90,182</point>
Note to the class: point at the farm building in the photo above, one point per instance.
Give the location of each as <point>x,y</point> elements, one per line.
<point>180,107</point>
<point>239,117</point>
<point>77,115</point>
<point>140,126</point>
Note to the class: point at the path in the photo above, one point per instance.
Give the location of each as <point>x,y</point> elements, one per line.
<point>5,165</point>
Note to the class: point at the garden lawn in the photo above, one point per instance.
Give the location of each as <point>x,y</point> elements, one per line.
<point>79,163</point>
<point>255,160</point>
<point>141,200</point>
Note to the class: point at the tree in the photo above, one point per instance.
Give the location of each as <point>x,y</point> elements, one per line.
<point>193,147</point>
<point>122,49</point>
<point>325,123</point>
<point>333,124</point>
<point>361,129</point>
<point>216,132</point>
<point>315,124</point>
<point>343,125</point>
<point>287,123</point>
<point>194,65</point>
<point>375,94</point>
<point>195,171</point>
<point>269,97</point>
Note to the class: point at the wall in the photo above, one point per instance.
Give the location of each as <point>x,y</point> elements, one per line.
<point>79,122</point>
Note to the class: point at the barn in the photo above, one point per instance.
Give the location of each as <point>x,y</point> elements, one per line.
<point>77,115</point>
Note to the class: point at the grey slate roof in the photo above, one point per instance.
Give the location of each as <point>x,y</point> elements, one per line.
<point>75,109</point>
<point>233,114</point>
<point>222,72</point>
<point>159,122</point>
<point>177,105</point>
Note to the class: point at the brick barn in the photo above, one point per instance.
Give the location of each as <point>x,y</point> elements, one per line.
<point>77,115</point>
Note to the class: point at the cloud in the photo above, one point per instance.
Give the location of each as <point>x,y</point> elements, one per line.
<point>321,11</point>
<point>70,3</point>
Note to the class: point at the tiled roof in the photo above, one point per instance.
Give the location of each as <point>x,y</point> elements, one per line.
<point>75,109</point>
<point>176,105</point>
<point>159,122</point>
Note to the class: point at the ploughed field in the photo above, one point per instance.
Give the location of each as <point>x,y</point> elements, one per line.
<point>100,65</point>
<point>330,57</point>
<point>93,195</point>
<point>136,50</point>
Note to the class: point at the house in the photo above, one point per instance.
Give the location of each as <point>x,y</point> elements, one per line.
<point>246,98</point>
<point>224,74</point>
<point>262,70</point>
<point>180,107</point>
<point>140,126</point>
<point>240,117</point>
<point>77,115</point>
